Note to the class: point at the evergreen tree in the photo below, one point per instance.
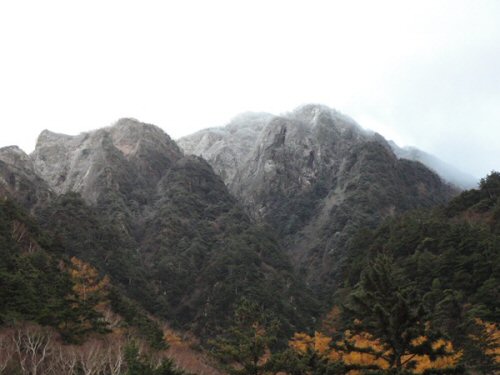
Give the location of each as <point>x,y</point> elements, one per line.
<point>386,306</point>
<point>140,364</point>
<point>245,348</point>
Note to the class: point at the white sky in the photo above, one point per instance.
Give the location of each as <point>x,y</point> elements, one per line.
<point>424,73</point>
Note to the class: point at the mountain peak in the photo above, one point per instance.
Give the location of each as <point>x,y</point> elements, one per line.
<point>317,114</point>
<point>9,152</point>
<point>130,136</point>
<point>50,137</point>
<point>105,158</point>
<point>133,125</point>
<point>315,176</point>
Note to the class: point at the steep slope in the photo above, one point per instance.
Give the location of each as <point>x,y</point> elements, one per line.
<point>149,206</point>
<point>451,258</point>
<point>18,180</point>
<point>317,177</point>
<point>228,149</point>
<point>445,170</point>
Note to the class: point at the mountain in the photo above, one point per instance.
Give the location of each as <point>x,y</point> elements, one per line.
<point>162,224</point>
<point>316,177</point>
<point>117,235</point>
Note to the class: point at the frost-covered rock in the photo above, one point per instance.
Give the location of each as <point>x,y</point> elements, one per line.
<point>316,176</point>
<point>126,156</point>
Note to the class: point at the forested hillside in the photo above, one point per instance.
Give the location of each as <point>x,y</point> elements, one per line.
<point>119,253</point>
<point>316,177</point>
<point>420,295</point>
<point>60,316</point>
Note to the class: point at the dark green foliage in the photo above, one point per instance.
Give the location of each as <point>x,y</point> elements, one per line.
<point>243,349</point>
<point>84,232</point>
<point>291,362</point>
<point>138,364</point>
<point>188,260</point>
<point>451,259</point>
<point>33,286</point>
<point>387,306</point>
<point>134,317</point>
<point>367,187</point>
<point>205,254</point>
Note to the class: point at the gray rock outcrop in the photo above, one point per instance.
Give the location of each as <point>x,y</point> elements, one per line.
<point>317,177</point>
<point>138,153</point>
<point>19,181</point>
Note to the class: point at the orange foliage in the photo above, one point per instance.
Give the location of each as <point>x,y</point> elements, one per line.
<point>345,351</point>
<point>173,338</point>
<point>362,341</point>
<point>423,362</point>
<point>87,284</point>
<point>331,323</point>
<point>490,337</point>
<point>303,343</point>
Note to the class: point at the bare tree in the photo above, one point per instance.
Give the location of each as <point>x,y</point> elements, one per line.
<point>18,231</point>
<point>114,356</point>
<point>112,319</point>
<point>33,347</point>
<point>91,357</point>
<point>7,349</point>
<point>64,360</point>
<point>20,234</point>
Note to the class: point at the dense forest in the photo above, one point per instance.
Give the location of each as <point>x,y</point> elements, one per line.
<point>420,295</point>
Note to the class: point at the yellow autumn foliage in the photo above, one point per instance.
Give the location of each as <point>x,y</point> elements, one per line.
<point>87,284</point>
<point>490,338</point>
<point>362,340</point>
<point>302,343</point>
<point>343,351</point>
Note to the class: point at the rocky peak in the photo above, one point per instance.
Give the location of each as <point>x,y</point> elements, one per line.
<point>227,147</point>
<point>316,176</point>
<point>49,137</point>
<point>117,157</point>
<point>15,157</point>
<point>131,137</point>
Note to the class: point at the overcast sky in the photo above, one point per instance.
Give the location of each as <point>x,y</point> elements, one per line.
<point>423,73</point>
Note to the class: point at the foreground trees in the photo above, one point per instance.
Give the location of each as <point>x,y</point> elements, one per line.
<point>245,347</point>
<point>30,349</point>
<point>391,318</point>
<point>387,331</point>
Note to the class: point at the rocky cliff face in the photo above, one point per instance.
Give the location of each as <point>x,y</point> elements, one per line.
<point>127,157</point>
<point>228,149</point>
<point>161,223</point>
<point>19,181</point>
<point>316,177</point>
<point>160,220</point>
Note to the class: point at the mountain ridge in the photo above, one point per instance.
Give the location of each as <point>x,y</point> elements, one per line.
<point>312,176</point>
<point>168,220</point>
<point>316,176</point>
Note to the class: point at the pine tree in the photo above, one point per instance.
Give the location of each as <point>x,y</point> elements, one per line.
<point>386,307</point>
<point>245,348</point>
